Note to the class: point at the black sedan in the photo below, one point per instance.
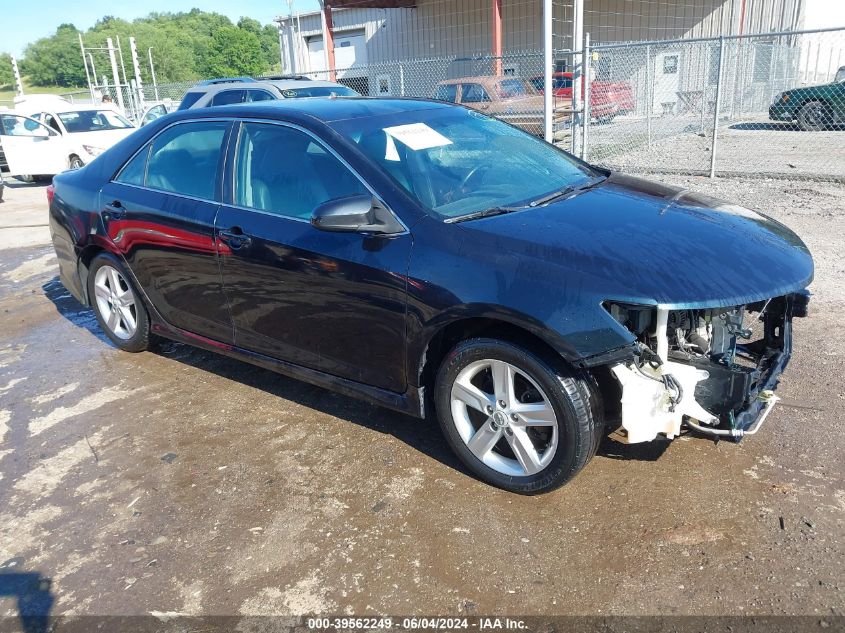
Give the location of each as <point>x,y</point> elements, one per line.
<point>426,257</point>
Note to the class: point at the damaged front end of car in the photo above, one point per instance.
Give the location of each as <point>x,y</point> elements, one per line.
<point>712,369</point>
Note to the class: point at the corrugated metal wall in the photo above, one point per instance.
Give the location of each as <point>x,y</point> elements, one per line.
<point>455,28</point>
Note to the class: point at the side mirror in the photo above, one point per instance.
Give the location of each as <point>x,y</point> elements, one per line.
<point>355,214</point>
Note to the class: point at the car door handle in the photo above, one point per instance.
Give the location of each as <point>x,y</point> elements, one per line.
<point>114,210</point>
<point>235,237</point>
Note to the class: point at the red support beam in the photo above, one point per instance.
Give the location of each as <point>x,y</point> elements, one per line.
<point>329,39</point>
<point>497,37</point>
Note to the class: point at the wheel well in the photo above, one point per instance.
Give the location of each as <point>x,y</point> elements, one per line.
<point>84,263</point>
<point>819,99</point>
<point>453,333</point>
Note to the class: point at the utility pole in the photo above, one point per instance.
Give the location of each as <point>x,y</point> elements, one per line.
<point>87,74</point>
<point>153,71</point>
<point>114,73</point>
<point>18,82</point>
<point>133,49</point>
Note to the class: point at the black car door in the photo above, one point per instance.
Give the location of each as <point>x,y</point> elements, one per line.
<point>159,211</point>
<point>329,301</point>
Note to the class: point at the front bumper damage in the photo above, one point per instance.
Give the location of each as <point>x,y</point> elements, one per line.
<point>729,394</point>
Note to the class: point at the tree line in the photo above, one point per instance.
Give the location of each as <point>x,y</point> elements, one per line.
<point>186,46</point>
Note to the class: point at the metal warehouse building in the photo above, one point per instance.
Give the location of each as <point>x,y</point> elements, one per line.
<point>369,33</point>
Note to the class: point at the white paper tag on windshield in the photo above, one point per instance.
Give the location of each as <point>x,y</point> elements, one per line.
<point>417,136</point>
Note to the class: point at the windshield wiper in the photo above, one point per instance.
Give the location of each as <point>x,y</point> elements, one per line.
<point>560,193</point>
<point>485,213</point>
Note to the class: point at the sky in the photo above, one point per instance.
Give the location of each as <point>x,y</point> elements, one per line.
<point>25,22</point>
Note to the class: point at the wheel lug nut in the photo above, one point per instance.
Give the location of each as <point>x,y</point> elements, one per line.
<point>514,417</point>
<point>502,404</point>
<point>489,409</point>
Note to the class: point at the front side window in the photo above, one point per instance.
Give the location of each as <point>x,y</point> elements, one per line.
<point>228,97</point>
<point>473,93</point>
<point>449,93</point>
<point>283,171</point>
<point>455,161</point>
<point>185,159</point>
<point>154,113</point>
<point>93,121</point>
<point>15,125</point>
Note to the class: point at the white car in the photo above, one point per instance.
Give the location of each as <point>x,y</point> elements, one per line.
<point>87,130</point>
<point>157,109</point>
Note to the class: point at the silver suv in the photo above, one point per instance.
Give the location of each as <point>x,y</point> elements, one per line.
<point>215,92</point>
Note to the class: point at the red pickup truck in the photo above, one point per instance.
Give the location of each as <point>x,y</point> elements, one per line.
<point>608,99</point>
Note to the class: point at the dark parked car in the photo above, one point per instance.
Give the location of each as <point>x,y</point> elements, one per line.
<point>814,108</point>
<point>415,253</point>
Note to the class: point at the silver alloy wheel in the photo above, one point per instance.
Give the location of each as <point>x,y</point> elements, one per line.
<point>493,400</point>
<point>116,302</point>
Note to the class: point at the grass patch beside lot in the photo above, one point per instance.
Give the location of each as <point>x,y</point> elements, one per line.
<point>7,93</point>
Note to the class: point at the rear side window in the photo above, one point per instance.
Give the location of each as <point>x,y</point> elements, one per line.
<point>473,93</point>
<point>134,171</point>
<point>184,159</point>
<point>447,93</point>
<point>258,95</point>
<point>228,97</point>
<point>190,99</point>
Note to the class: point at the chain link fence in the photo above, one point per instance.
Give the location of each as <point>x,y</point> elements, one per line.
<point>770,105</point>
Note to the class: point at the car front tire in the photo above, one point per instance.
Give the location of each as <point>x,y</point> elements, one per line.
<point>814,116</point>
<point>515,420</point>
<point>120,311</point>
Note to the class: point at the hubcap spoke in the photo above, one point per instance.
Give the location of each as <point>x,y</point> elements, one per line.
<point>534,414</point>
<point>484,439</point>
<point>472,396</point>
<point>102,292</point>
<point>503,374</point>
<point>524,450</point>
<point>113,320</point>
<point>128,318</point>
<point>114,282</point>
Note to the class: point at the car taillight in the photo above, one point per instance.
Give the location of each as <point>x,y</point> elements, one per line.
<point>51,191</point>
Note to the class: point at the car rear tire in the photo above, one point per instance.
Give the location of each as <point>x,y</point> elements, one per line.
<point>74,162</point>
<point>814,116</point>
<point>120,311</point>
<point>515,420</point>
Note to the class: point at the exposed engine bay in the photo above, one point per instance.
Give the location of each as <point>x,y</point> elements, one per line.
<point>714,370</point>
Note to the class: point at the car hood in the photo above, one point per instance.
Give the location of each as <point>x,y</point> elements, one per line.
<point>633,240</point>
<point>103,139</point>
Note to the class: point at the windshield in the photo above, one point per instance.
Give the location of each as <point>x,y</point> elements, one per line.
<point>319,91</point>
<point>457,162</point>
<point>93,121</point>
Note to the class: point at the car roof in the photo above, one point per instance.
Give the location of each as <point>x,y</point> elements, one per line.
<point>286,84</point>
<point>325,109</point>
<point>278,84</point>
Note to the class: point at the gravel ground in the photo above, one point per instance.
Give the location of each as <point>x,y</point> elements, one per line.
<point>754,146</point>
<point>183,482</point>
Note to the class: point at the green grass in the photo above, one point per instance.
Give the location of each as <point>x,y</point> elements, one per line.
<point>7,93</point>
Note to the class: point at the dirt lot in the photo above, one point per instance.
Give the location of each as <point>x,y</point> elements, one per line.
<point>179,481</point>
<point>753,145</point>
